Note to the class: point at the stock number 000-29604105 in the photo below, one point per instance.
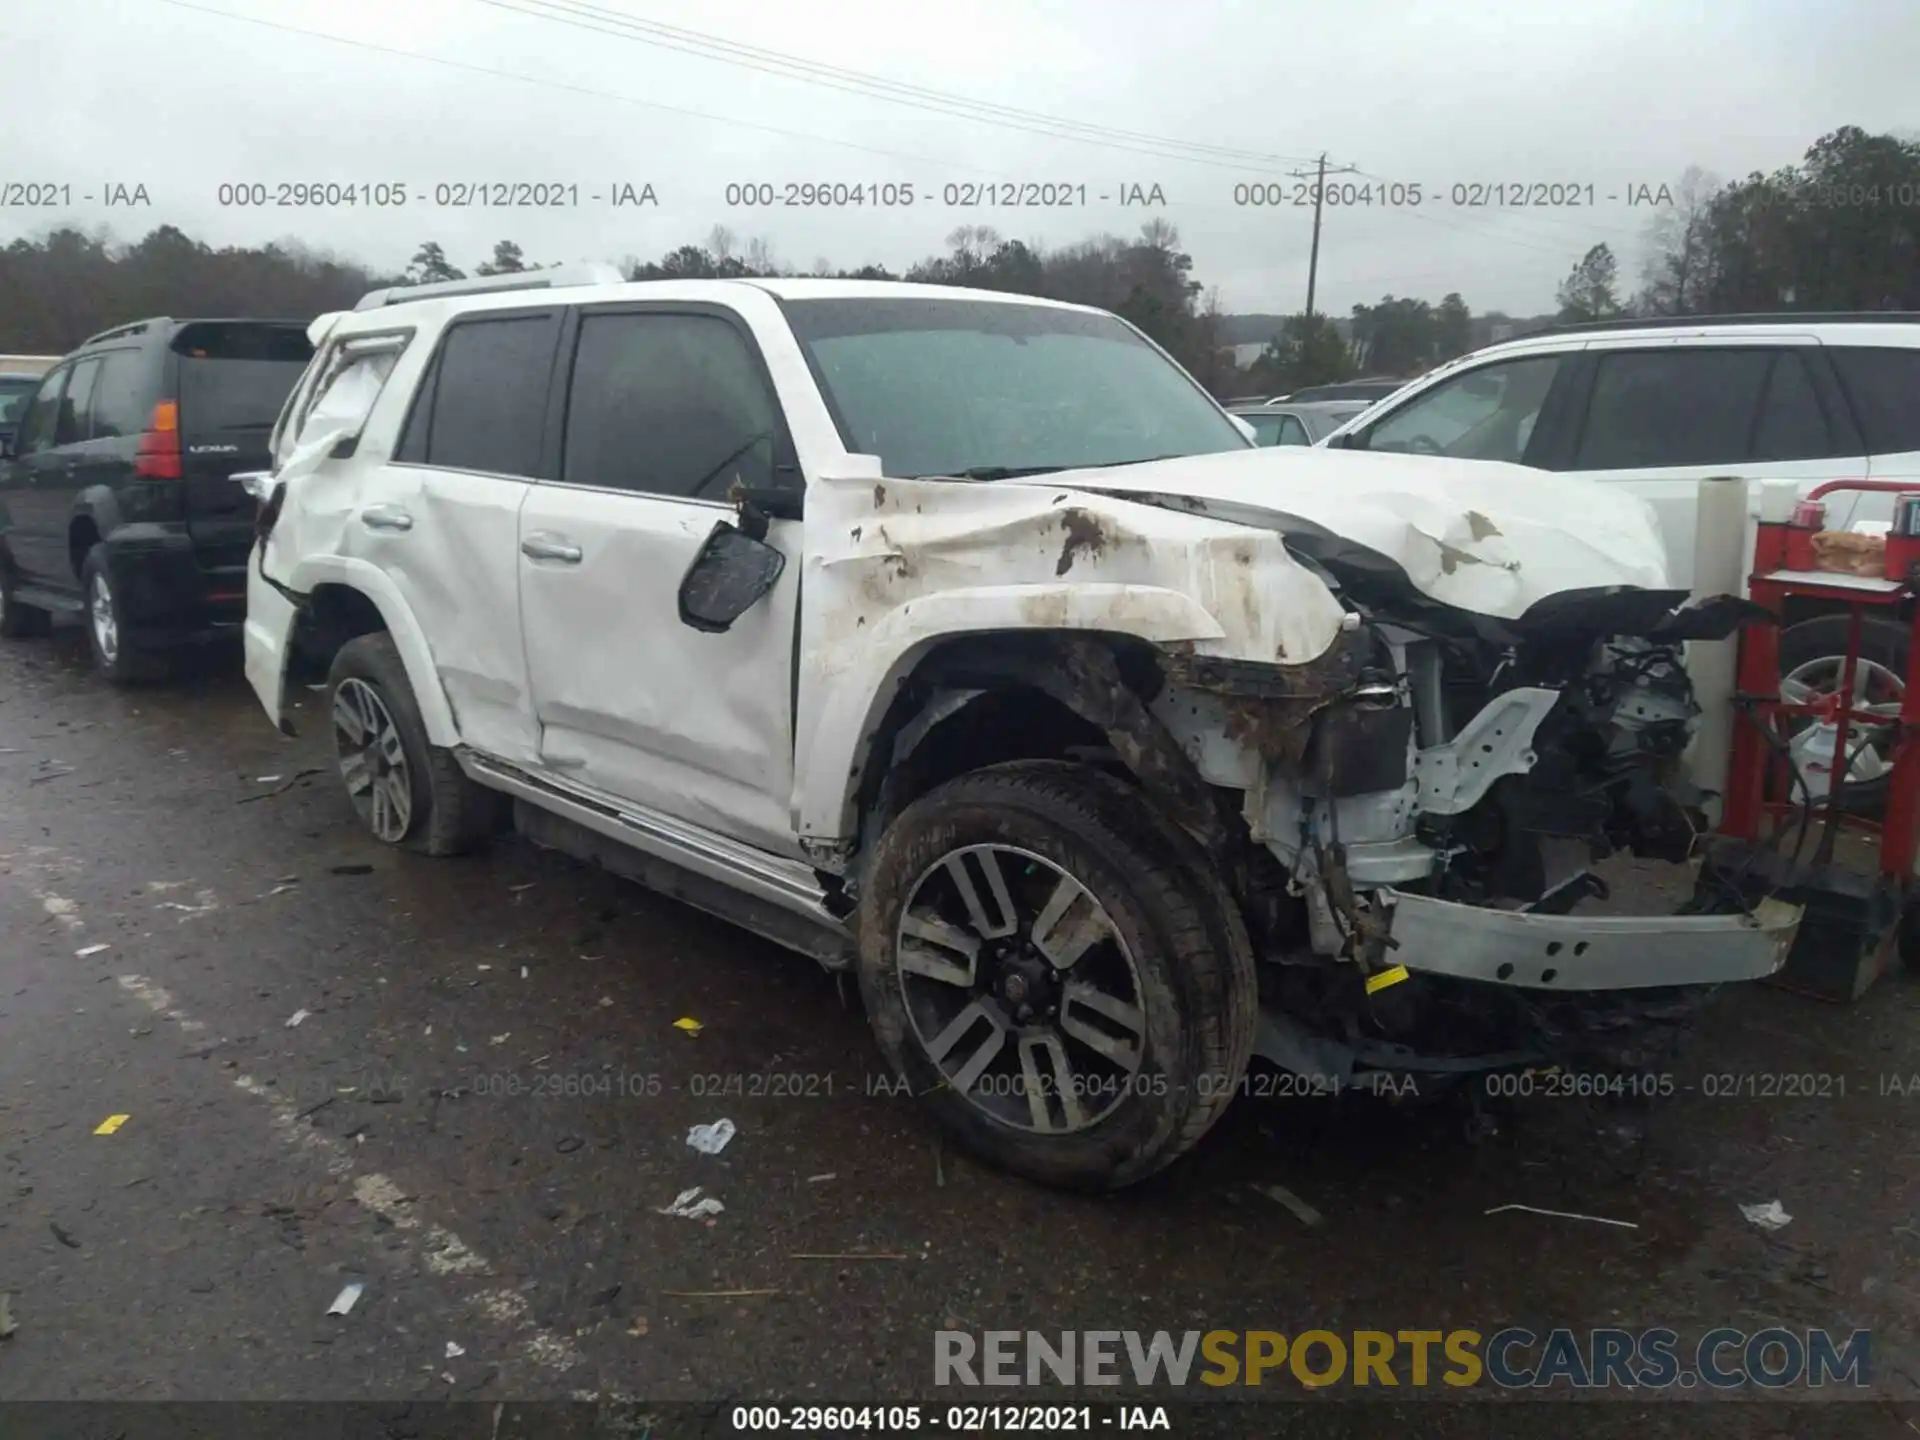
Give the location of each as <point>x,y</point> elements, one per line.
<point>905,1419</point>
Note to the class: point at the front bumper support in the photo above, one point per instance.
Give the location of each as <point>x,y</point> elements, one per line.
<point>1587,952</point>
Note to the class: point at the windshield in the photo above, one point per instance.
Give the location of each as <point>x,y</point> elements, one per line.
<point>957,387</point>
<point>14,391</point>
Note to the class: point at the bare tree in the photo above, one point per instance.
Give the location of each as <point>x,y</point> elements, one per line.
<point>1674,279</point>
<point>760,257</point>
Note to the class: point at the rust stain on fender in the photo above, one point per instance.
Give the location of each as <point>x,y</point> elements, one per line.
<point>1084,537</point>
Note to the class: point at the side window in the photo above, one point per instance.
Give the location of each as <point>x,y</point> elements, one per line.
<point>350,383</point>
<point>76,406</point>
<point>1674,406</point>
<point>1266,428</point>
<point>412,449</point>
<point>117,410</point>
<point>1792,424</point>
<point>489,395</point>
<point>669,405</point>
<point>1292,432</point>
<point>1482,414</point>
<point>1884,388</point>
<point>43,414</point>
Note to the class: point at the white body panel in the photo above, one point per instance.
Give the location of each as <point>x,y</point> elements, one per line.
<point>633,703</point>
<point>581,674</point>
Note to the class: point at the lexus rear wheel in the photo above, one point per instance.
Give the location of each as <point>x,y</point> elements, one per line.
<point>109,637</point>
<point>1058,971</point>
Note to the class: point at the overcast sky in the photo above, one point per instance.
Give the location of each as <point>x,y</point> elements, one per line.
<point>184,97</point>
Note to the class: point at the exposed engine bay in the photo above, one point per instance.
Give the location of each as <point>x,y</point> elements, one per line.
<point>1435,794</point>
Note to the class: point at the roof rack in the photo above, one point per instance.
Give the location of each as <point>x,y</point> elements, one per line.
<point>553,279</point>
<point>1694,322</point>
<point>117,331</point>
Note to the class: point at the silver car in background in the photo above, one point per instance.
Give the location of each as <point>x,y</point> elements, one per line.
<point>1298,422</point>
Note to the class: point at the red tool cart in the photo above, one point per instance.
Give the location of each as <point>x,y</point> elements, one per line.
<point>1787,781</point>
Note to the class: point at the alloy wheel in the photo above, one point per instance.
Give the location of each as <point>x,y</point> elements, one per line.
<point>106,629</point>
<point>373,760</point>
<point>1876,690</point>
<point>1020,989</point>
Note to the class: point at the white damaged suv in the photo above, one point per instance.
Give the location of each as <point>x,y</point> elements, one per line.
<point>961,639</point>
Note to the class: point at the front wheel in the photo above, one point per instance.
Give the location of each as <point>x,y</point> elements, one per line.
<point>1059,971</point>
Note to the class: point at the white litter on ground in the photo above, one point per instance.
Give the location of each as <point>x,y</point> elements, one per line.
<point>85,950</point>
<point>454,1352</point>
<point>1769,1216</point>
<point>1306,1213</point>
<point>1566,1215</point>
<point>711,1139</point>
<point>344,1301</point>
<point>692,1206</point>
<point>294,1019</point>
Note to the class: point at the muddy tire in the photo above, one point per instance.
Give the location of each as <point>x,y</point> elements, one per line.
<point>109,637</point>
<point>1816,649</point>
<point>17,621</point>
<point>406,790</point>
<point>1059,971</point>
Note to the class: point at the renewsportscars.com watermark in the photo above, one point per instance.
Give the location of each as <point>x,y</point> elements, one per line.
<point>1512,1358</point>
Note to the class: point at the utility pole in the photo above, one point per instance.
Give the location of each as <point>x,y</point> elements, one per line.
<point>1319,175</point>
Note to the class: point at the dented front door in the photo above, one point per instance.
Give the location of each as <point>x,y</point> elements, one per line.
<point>666,410</point>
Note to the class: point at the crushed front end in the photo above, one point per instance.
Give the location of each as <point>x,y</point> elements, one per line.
<point>1428,804</point>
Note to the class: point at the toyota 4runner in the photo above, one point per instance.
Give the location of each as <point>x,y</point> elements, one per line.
<point>962,640</point>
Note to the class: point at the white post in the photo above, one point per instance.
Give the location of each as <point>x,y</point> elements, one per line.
<point>1719,558</point>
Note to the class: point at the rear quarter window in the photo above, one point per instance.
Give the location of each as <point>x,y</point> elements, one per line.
<point>1883,386</point>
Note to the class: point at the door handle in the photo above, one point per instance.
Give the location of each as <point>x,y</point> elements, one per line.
<point>543,546</point>
<point>386,517</point>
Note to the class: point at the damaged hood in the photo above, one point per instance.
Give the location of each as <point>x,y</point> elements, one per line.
<point>1478,535</point>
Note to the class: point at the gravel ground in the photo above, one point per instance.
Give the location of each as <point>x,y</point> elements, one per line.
<point>485,1104</point>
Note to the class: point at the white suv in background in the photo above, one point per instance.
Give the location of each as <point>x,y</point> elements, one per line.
<point>1656,405</point>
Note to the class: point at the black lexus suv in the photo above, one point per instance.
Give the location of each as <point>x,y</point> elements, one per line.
<point>117,496</point>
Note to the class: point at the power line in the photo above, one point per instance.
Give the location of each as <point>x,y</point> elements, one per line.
<point>601,20</point>
<point>571,88</point>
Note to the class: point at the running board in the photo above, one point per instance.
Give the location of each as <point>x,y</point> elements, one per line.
<point>56,601</point>
<point>776,898</point>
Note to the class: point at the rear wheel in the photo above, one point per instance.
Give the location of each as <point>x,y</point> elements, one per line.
<point>17,621</point>
<point>406,790</point>
<point>1058,971</point>
<point>108,636</point>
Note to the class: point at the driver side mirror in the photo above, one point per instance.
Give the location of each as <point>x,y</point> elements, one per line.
<point>730,575</point>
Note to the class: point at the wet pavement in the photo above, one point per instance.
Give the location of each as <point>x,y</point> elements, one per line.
<point>485,1108</point>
